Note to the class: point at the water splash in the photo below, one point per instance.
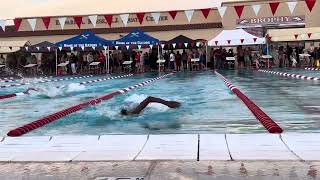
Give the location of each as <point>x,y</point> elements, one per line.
<point>75,87</point>
<point>136,99</point>
<point>46,91</point>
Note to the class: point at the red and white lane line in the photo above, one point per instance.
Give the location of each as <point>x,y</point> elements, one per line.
<point>43,121</point>
<point>10,80</point>
<point>261,116</point>
<point>297,76</point>
<point>7,78</point>
<point>312,69</point>
<point>7,96</point>
<point>44,81</point>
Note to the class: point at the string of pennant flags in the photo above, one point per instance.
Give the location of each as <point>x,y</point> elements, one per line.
<point>273,7</point>
<point>93,19</point>
<point>83,48</point>
<point>156,15</point>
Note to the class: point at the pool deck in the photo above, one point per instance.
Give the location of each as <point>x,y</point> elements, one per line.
<point>184,147</point>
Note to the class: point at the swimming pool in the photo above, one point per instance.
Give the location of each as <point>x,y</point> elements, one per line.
<point>208,106</point>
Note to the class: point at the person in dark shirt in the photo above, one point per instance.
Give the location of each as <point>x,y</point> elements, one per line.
<point>178,61</point>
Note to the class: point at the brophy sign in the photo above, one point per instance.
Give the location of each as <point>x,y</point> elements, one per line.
<point>269,21</point>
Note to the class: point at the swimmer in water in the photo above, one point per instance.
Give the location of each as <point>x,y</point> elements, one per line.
<point>146,102</point>
<point>30,89</point>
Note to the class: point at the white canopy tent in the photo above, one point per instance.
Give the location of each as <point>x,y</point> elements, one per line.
<point>12,46</point>
<point>235,37</point>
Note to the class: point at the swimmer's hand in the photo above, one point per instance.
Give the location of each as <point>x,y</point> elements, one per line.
<point>173,104</point>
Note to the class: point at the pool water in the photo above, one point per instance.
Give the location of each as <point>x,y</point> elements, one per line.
<point>208,106</point>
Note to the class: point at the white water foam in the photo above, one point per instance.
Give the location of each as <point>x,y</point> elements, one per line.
<point>75,87</point>
<point>53,91</point>
<point>138,98</point>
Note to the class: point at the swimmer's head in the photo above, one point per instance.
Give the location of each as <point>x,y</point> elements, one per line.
<point>124,111</point>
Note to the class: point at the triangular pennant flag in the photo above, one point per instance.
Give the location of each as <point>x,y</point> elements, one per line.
<point>10,47</point>
<point>124,18</point>
<point>127,47</point>
<point>62,21</point>
<point>310,4</point>
<point>46,22</point>
<point>180,45</point>
<point>3,25</point>
<point>309,35</point>
<point>93,47</point>
<point>256,8</point>
<point>239,10</point>
<point>93,20</point>
<point>198,44</point>
<point>156,17</point>
<point>82,47</point>
<point>32,23</point>
<point>140,17</point>
<point>254,40</point>
<point>38,48</point>
<point>205,12</point>
<point>49,48</point>
<point>229,41</point>
<point>108,19</point>
<point>17,23</point>
<point>292,5</point>
<point>241,40</point>
<point>78,20</point>
<point>60,48</point>
<point>296,36</point>
<point>117,47</point>
<point>274,7</point>
<point>268,37</point>
<point>162,46</point>
<point>189,14</point>
<point>216,42</point>
<point>222,10</point>
<point>174,45</point>
<point>27,48</point>
<point>173,14</point>
<point>139,46</point>
<point>151,46</point>
<point>186,45</point>
<point>105,47</point>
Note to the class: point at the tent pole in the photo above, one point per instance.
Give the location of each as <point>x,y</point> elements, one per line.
<point>206,55</point>
<point>159,57</point>
<point>107,59</point>
<point>56,62</point>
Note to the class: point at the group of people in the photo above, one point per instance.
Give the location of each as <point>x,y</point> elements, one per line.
<point>295,56</point>
<point>247,57</point>
<point>184,61</point>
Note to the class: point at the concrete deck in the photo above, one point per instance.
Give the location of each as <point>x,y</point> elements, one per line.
<point>192,147</point>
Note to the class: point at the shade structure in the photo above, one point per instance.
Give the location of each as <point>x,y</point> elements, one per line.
<point>295,34</point>
<point>136,37</point>
<point>85,39</point>
<point>181,41</point>
<point>235,37</point>
<point>12,46</point>
<point>42,47</point>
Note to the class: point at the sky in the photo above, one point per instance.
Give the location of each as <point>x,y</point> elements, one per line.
<point>10,9</point>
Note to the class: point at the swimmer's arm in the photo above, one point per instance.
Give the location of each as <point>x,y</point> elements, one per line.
<point>147,101</point>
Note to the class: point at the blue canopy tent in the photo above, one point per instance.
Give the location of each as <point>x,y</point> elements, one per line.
<point>136,37</point>
<point>87,39</point>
